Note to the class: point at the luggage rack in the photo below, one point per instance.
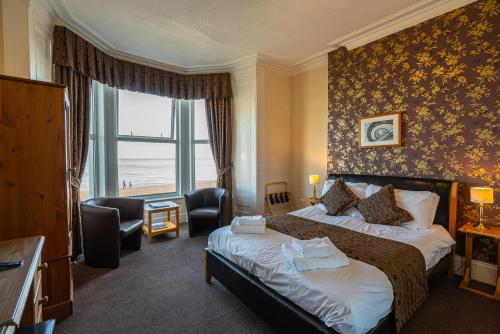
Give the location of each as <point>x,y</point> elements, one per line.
<point>278,198</point>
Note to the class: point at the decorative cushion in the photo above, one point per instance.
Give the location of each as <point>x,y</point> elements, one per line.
<point>422,205</point>
<point>381,208</point>
<point>338,198</point>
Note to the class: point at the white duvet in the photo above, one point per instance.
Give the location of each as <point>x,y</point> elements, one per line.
<point>351,299</point>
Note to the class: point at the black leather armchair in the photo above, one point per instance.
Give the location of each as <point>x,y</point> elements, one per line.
<point>109,224</point>
<point>207,206</point>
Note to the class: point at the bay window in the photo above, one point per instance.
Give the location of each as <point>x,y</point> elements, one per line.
<point>147,146</point>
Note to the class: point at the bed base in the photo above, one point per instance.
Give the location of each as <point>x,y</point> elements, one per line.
<point>287,317</point>
<point>282,314</point>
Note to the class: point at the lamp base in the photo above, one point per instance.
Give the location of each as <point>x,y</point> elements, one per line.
<point>481,226</point>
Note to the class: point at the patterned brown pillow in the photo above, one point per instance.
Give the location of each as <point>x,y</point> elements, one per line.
<point>338,198</point>
<point>381,208</point>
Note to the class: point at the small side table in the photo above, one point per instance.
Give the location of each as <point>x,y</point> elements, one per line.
<point>470,231</point>
<point>170,226</point>
<point>311,200</point>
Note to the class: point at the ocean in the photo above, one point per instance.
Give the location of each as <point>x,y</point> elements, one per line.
<point>153,172</point>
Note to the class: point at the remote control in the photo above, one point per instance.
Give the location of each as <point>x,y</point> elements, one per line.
<point>11,264</point>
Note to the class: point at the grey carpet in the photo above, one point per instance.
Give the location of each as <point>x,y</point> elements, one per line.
<point>160,289</point>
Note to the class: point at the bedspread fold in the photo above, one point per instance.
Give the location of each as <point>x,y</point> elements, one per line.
<point>403,264</point>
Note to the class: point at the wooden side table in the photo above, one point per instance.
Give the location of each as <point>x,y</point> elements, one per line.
<point>470,231</point>
<point>311,200</point>
<point>170,226</point>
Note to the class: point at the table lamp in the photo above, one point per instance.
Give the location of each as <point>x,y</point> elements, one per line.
<point>314,180</point>
<point>481,195</point>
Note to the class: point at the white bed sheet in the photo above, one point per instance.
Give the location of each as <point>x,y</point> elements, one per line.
<point>351,299</point>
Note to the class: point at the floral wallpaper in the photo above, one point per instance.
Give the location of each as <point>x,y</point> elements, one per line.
<point>442,76</point>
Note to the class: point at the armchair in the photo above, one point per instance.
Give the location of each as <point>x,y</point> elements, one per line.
<point>109,224</point>
<point>206,207</point>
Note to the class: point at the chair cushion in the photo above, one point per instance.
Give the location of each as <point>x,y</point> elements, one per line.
<point>208,212</point>
<point>127,227</point>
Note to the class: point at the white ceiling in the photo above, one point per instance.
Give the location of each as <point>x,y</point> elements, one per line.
<point>192,33</point>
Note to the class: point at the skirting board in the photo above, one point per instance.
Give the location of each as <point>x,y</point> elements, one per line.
<point>481,271</point>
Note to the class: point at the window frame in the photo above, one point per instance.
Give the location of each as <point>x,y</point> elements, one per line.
<point>194,142</point>
<point>172,139</point>
<point>103,156</point>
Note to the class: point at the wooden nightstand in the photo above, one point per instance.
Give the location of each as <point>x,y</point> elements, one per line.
<point>311,200</point>
<point>470,231</point>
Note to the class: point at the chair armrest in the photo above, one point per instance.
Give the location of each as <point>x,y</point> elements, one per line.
<point>223,202</point>
<point>99,220</point>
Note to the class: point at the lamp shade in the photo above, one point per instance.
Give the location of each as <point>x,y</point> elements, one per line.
<point>313,179</point>
<point>481,195</point>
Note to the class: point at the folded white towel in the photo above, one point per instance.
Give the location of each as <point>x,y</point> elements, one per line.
<point>317,247</point>
<point>236,227</point>
<point>252,221</point>
<point>301,263</point>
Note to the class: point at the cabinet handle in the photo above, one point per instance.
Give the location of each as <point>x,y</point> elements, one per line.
<point>44,300</point>
<point>43,266</point>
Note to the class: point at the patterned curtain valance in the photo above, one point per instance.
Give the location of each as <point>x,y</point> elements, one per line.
<point>74,52</point>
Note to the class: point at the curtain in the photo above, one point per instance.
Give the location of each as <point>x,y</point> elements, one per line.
<point>78,62</point>
<point>79,88</point>
<point>74,52</point>
<point>220,138</point>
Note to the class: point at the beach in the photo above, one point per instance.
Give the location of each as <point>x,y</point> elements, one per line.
<point>152,189</point>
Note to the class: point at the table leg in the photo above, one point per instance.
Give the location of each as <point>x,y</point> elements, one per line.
<point>177,221</point>
<point>497,290</point>
<point>150,221</point>
<point>468,260</point>
<point>168,215</point>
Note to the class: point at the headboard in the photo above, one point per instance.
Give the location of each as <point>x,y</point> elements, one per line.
<point>446,213</point>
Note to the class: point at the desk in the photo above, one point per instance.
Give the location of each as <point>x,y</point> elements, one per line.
<point>21,288</point>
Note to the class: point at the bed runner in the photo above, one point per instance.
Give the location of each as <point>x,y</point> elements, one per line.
<point>403,264</point>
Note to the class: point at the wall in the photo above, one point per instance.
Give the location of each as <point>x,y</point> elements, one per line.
<point>273,129</point>
<point>15,27</point>
<point>41,26</point>
<point>26,39</point>
<point>442,76</point>
<point>1,39</point>
<point>244,82</point>
<point>309,125</point>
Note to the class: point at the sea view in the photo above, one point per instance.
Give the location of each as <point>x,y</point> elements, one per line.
<point>149,176</point>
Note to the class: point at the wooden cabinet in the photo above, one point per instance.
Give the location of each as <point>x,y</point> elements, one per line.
<point>34,180</point>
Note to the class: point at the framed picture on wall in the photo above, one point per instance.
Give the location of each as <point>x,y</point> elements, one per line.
<point>380,131</point>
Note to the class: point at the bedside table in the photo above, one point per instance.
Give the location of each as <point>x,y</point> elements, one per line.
<point>311,200</point>
<point>470,231</point>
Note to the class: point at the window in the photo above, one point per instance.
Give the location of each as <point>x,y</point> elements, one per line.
<point>147,146</point>
<point>85,184</point>
<point>205,174</point>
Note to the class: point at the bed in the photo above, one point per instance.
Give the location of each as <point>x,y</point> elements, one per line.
<point>354,300</point>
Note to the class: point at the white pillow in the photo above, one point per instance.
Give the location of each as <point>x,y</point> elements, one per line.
<point>358,189</point>
<point>422,205</point>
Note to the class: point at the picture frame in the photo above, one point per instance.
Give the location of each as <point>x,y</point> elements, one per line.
<point>383,130</point>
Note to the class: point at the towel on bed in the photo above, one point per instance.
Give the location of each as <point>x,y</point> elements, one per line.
<point>301,263</point>
<point>316,247</point>
<point>236,227</point>
<point>252,220</point>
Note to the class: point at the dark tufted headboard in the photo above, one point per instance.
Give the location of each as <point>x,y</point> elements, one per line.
<point>446,213</point>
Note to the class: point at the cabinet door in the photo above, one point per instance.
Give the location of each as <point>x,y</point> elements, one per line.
<point>33,183</point>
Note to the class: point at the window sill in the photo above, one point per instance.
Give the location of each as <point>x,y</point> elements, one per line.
<point>148,199</point>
